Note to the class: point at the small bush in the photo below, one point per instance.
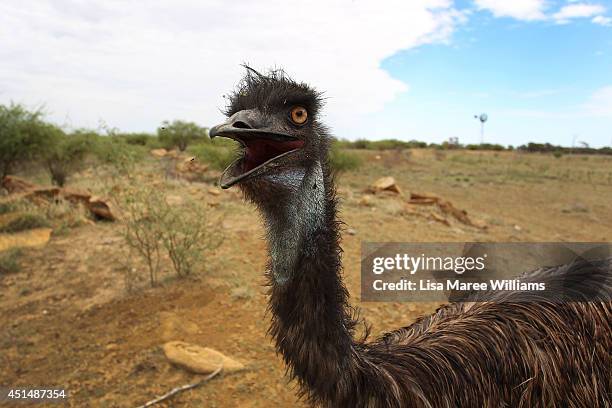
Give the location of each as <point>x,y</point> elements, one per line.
<point>23,222</point>
<point>557,154</point>
<point>217,155</point>
<point>9,261</point>
<point>187,236</point>
<point>118,153</point>
<point>342,160</point>
<point>7,207</point>
<point>66,155</point>
<point>64,216</point>
<point>360,144</point>
<point>384,144</point>
<point>143,230</point>
<point>154,228</point>
<point>139,139</point>
<point>180,134</point>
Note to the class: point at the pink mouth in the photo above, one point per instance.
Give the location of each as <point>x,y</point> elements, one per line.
<point>259,151</point>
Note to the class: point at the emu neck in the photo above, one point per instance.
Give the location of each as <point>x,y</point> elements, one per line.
<point>311,322</point>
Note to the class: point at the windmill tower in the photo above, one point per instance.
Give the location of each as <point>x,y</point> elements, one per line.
<point>483,117</point>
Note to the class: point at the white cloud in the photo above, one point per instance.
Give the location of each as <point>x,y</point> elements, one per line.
<point>602,20</point>
<point>519,9</point>
<point>135,65</point>
<point>600,103</point>
<point>577,10</point>
<point>530,10</point>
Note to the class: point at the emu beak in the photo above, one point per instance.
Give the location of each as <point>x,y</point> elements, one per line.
<point>262,146</point>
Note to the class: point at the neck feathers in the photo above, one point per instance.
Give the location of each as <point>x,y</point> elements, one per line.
<point>312,322</point>
<point>292,226</point>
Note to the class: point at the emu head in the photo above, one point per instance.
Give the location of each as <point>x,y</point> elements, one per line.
<point>274,120</point>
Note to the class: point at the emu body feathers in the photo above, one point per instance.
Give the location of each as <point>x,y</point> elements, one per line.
<point>512,352</point>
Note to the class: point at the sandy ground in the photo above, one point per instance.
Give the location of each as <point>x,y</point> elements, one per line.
<point>67,319</point>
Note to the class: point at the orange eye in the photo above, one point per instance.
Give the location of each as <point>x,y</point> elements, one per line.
<point>299,115</point>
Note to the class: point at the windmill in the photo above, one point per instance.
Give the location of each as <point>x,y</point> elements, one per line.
<point>483,117</point>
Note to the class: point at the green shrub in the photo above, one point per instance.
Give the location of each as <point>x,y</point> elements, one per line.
<point>180,134</point>
<point>139,138</point>
<point>558,154</point>
<point>26,221</point>
<point>117,152</point>
<point>7,207</point>
<point>360,144</point>
<point>485,146</point>
<point>384,144</point>
<point>342,160</point>
<point>183,232</point>
<point>66,155</point>
<point>23,136</point>
<point>9,261</point>
<point>218,155</point>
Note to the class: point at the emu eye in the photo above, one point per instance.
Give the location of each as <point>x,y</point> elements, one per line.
<point>299,115</point>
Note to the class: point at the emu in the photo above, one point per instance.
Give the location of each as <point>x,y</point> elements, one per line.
<point>511,352</point>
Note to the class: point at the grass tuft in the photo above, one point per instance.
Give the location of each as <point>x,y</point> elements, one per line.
<point>26,221</point>
<point>9,261</point>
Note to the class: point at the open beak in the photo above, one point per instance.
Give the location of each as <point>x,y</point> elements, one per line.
<point>262,146</point>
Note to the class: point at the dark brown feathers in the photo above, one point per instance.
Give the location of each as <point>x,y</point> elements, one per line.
<point>509,351</point>
<point>270,92</point>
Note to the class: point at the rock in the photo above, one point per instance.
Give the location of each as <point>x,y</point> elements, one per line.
<point>159,152</point>
<point>14,184</point>
<point>366,200</point>
<point>201,360</point>
<point>427,199</point>
<point>25,239</point>
<point>446,207</point>
<point>214,191</point>
<point>101,208</point>
<point>385,184</point>
<point>437,218</point>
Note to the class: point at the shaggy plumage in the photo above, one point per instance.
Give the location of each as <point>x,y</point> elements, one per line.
<point>511,351</point>
<point>271,92</point>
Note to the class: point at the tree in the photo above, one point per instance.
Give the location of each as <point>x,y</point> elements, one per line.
<point>23,136</point>
<point>179,133</point>
<point>66,154</point>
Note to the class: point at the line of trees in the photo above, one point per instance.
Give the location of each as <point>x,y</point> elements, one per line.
<point>25,137</point>
<point>391,144</point>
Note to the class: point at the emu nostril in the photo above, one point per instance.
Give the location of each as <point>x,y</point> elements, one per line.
<point>241,125</point>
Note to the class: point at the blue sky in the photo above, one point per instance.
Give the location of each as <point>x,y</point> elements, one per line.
<point>533,78</point>
<point>417,69</point>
